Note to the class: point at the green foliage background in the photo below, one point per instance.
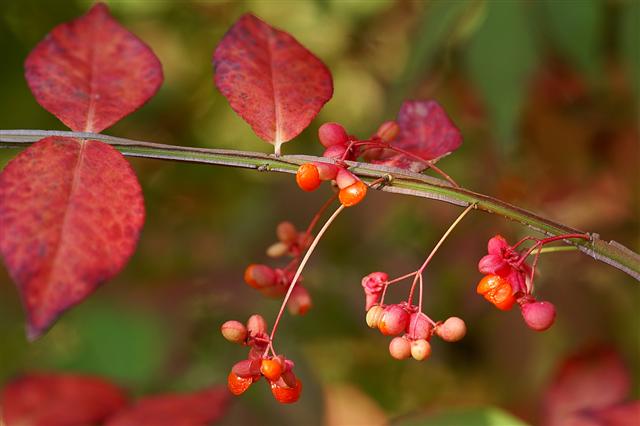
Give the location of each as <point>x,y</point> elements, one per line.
<point>546,95</point>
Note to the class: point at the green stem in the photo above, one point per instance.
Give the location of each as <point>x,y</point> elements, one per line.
<point>401,182</point>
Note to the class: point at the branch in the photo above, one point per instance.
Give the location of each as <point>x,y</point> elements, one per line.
<point>401,182</point>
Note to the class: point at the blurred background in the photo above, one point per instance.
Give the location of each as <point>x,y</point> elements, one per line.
<point>546,96</point>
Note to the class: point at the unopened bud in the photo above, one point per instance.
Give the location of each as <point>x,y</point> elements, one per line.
<point>234,331</point>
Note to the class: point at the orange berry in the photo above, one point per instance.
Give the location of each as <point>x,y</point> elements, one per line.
<point>286,395</point>
<point>490,283</point>
<point>271,369</point>
<point>497,290</point>
<point>259,276</point>
<point>353,194</point>
<point>238,385</point>
<point>308,178</point>
<point>502,297</point>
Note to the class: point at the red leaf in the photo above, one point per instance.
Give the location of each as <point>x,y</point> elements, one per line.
<point>59,400</point>
<point>272,81</point>
<point>70,215</point>
<point>426,132</point>
<point>91,72</point>
<point>586,384</point>
<point>195,409</point>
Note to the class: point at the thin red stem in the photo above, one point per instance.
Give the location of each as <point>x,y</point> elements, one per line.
<point>299,272</point>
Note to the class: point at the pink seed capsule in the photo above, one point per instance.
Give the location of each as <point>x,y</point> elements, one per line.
<point>336,152</point>
<point>234,331</point>
<point>388,131</point>
<point>256,325</point>
<point>286,232</point>
<point>400,348</point>
<point>374,314</point>
<point>332,134</point>
<point>326,171</point>
<point>300,301</point>
<point>539,316</point>
<point>259,276</point>
<point>420,349</point>
<point>394,320</point>
<point>452,330</point>
<point>419,326</point>
<point>345,178</point>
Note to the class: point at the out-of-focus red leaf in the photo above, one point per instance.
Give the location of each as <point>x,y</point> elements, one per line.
<point>70,214</point>
<point>59,400</point>
<point>426,132</point>
<point>195,409</point>
<point>272,81</point>
<point>585,385</point>
<point>91,72</point>
<point>619,415</point>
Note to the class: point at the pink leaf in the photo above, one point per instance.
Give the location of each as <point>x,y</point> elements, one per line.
<point>426,132</point>
<point>586,384</point>
<point>195,409</point>
<point>59,400</point>
<point>70,215</point>
<point>272,81</point>
<point>91,72</point>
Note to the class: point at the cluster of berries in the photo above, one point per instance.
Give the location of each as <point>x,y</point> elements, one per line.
<point>274,282</point>
<point>277,370</point>
<point>509,279</point>
<point>406,319</point>
<point>340,147</point>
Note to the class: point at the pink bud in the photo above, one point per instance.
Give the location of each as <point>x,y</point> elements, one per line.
<point>400,348</point>
<point>497,244</point>
<point>286,232</point>
<point>393,321</point>
<point>259,276</point>
<point>420,349</point>
<point>419,326</point>
<point>300,301</point>
<point>539,316</point>
<point>452,330</point>
<point>388,131</point>
<point>326,171</point>
<point>332,134</point>
<point>256,325</point>
<point>234,331</point>
<point>345,178</point>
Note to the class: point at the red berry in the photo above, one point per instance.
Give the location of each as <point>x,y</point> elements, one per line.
<point>271,369</point>
<point>539,316</point>
<point>238,385</point>
<point>332,134</point>
<point>452,330</point>
<point>420,349</point>
<point>393,321</point>
<point>259,276</point>
<point>308,178</point>
<point>234,331</point>
<point>286,395</point>
<point>352,195</point>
